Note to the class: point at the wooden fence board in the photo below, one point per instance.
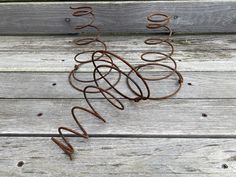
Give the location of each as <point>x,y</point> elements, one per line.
<point>49,17</point>
<point>55,53</point>
<point>40,85</point>
<point>180,117</point>
<point>119,157</point>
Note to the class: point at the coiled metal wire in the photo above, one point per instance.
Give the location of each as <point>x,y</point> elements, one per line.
<point>140,89</point>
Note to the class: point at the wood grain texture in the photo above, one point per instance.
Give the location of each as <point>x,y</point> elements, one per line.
<point>103,1</point>
<point>49,17</point>
<point>119,157</point>
<point>181,117</point>
<point>32,108</point>
<point>39,85</point>
<point>55,53</point>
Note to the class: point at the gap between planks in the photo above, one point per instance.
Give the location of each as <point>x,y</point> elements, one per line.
<point>192,136</point>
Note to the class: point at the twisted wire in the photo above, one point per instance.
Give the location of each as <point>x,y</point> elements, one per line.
<point>155,21</point>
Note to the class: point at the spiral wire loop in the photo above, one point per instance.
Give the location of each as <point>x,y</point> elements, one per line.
<point>156,21</point>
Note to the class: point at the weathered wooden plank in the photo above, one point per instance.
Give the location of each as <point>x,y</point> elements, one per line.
<point>134,42</point>
<point>49,17</point>
<point>184,117</point>
<point>98,0</point>
<point>40,85</point>
<point>55,53</point>
<point>219,60</point>
<point>119,157</point>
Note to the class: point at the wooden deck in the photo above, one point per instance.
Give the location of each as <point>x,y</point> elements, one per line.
<point>190,135</point>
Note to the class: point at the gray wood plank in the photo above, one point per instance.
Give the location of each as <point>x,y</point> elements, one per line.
<point>180,117</point>
<point>119,157</point>
<point>49,17</point>
<point>129,42</point>
<point>96,0</point>
<point>39,85</point>
<point>55,53</point>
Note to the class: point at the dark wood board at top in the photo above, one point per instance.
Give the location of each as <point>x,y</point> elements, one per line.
<point>117,16</point>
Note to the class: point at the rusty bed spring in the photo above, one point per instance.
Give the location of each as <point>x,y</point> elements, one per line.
<point>155,21</point>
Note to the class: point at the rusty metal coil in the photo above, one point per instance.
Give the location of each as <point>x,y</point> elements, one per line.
<point>155,21</point>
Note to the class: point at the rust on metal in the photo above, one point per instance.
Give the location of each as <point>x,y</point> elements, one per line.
<point>140,90</point>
